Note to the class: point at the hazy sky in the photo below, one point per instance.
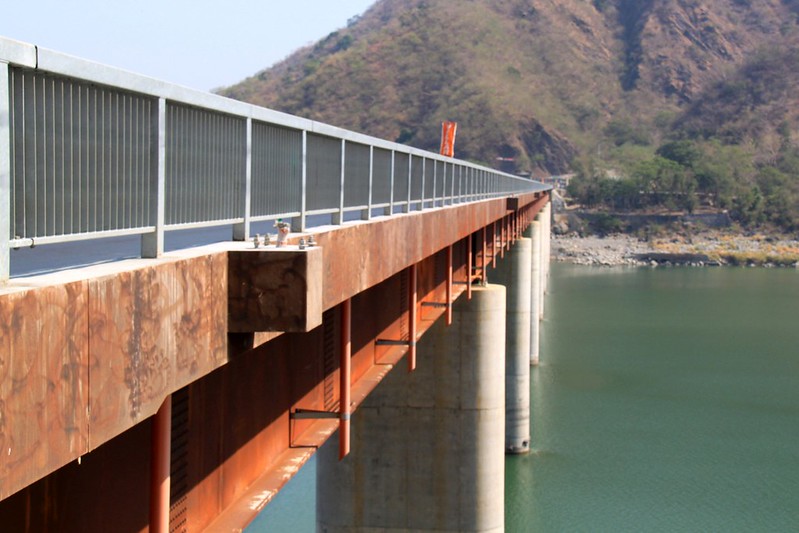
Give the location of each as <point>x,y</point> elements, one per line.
<point>201,44</point>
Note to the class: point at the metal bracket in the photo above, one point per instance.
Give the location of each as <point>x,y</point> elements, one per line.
<point>392,342</point>
<point>306,414</point>
<point>435,304</point>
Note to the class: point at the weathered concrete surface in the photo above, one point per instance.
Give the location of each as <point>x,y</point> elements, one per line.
<point>428,446</point>
<point>359,255</point>
<point>89,353</point>
<point>44,381</point>
<point>152,331</point>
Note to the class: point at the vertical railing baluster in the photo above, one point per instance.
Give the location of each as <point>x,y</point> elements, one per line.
<point>5,174</point>
<point>152,244</point>
<point>338,218</point>
<point>241,231</point>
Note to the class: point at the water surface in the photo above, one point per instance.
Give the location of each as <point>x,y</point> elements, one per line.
<point>666,400</point>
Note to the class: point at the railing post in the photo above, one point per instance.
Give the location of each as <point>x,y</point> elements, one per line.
<point>5,175</point>
<point>338,218</point>
<point>390,209</point>
<point>152,244</point>
<point>367,214</point>
<point>241,231</point>
<point>298,223</point>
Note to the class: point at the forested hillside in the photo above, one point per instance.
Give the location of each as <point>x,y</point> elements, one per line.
<point>676,104</point>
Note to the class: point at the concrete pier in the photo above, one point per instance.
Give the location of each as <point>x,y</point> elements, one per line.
<point>427,447</point>
<point>534,232</point>
<point>546,244</point>
<point>515,273</point>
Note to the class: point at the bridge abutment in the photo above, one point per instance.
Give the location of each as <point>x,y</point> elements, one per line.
<point>427,446</point>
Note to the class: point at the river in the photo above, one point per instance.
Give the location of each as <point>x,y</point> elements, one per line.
<point>667,400</point>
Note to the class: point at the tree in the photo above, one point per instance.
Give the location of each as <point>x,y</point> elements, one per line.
<point>683,152</point>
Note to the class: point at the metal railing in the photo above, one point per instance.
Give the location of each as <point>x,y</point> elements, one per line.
<point>90,151</point>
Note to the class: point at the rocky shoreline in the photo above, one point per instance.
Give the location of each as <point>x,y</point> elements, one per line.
<point>708,249</point>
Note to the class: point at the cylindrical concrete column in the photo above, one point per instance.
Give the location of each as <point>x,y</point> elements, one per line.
<point>535,292</point>
<point>546,232</point>
<point>542,218</point>
<point>515,273</point>
<point>428,447</point>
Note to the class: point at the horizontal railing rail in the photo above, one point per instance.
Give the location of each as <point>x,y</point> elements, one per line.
<point>89,151</point>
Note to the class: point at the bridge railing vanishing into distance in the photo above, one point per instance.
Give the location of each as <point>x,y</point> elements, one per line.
<point>90,151</point>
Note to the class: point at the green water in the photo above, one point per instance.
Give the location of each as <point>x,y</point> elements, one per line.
<point>666,400</point>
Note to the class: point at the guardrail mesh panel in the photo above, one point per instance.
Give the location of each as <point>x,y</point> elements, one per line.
<point>416,178</point>
<point>276,170</point>
<point>381,176</point>
<point>323,178</point>
<point>400,177</point>
<point>205,165</point>
<point>81,156</point>
<point>356,176</point>
<point>440,177</point>
<point>428,179</point>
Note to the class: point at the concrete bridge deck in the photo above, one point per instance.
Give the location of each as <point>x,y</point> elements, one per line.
<point>94,352</point>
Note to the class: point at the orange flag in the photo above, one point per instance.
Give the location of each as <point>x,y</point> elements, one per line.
<point>448,130</point>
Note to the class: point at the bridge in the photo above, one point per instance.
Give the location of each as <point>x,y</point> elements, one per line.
<point>181,389</point>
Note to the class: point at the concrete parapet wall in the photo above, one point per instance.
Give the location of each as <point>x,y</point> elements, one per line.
<point>82,360</point>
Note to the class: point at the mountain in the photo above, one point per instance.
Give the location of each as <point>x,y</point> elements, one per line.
<point>552,85</point>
